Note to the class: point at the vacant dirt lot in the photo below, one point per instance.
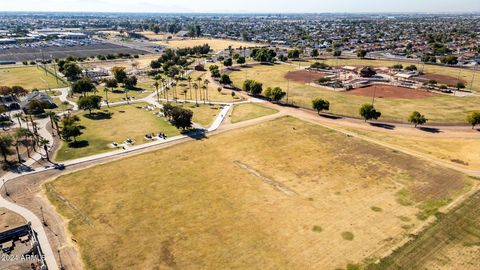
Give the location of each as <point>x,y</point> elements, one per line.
<point>304,76</point>
<point>441,79</point>
<point>389,91</point>
<point>27,54</point>
<point>281,195</point>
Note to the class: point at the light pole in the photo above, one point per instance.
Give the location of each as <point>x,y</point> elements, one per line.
<point>5,187</point>
<point>60,259</point>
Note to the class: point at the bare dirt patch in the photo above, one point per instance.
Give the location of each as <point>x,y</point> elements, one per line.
<point>389,91</point>
<point>10,220</point>
<point>304,76</point>
<point>442,79</point>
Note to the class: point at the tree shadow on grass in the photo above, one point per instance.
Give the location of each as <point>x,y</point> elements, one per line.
<point>383,125</point>
<point>99,116</point>
<point>330,116</point>
<point>429,129</point>
<point>197,134</point>
<point>79,144</point>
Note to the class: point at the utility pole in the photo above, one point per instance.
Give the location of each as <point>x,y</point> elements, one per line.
<point>5,187</point>
<point>475,69</point>
<point>44,63</point>
<point>288,89</point>
<point>54,68</point>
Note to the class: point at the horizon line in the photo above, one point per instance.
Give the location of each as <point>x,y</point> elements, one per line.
<point>259,13</point>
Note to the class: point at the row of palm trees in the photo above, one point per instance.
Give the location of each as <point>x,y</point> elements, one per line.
<point>171,84</point>
<point>28,136</point>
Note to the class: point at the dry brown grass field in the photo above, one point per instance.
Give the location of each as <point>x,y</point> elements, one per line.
<point>452,242</point>
<point>284,194</point>
<point>457,151</point>
<point>248,111</point>
<point>438,109</point>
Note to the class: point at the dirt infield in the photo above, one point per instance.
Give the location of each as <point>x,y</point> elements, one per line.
<point>441,79</point>
<point>304,76</point>
<point>389,91</point>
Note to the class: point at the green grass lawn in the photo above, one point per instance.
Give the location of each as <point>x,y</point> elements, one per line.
<point>29,78</point>
<point>248,111</point>
<point>60,107</point>
<point>438,109</point>
<point>203,114</point>
<point>183,89</point>
<point>118,94</point>
<point>129,121</point>
<point>248,199</point>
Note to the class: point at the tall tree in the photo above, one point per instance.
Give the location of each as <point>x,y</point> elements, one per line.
<point>206,82</point>
<point>195,86</point>
<point>19,118</point>
<point>473,119</point>
<point>320,105</point>
<point>83,86</point>
<point>119,73</point>
<point>417,118</point>
<point>109,83</point>
<point>44,142</point>
<point>368,112</point>
<point>6,146</point>
<point>90,103</point>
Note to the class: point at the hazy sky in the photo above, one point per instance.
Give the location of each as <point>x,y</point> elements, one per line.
<point>311,6</point>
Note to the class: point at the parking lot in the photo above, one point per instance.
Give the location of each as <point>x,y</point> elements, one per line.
<point>62,49</point>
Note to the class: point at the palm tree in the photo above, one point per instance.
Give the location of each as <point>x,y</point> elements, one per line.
<point>204,88</point>
<point>17,137</point>
<point>195,86</point>
<point>54,119</point>
<point>110,83</point>
<point>156,85</point>
<point>126,95</point>
<point>199,81</point>
<point>51,115</point>
<point>19,118</point>
<point>165,90</point>
<point>44,142</point>
<point>25,133</point>
<point>190,86</point>
<point>206,82</point>
<point>106,90</point>
<point>174,87</point>
<point>5,146</point>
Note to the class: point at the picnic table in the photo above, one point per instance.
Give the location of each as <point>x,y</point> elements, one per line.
<point>24,238</point>
<point>7,246</point>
